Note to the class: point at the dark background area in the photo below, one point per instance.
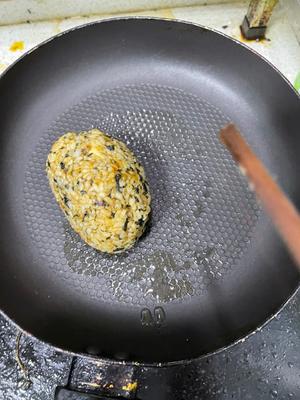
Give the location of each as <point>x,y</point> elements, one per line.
<point>265,366</point>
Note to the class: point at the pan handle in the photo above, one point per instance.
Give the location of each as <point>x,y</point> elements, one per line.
<point>90,378</point>
<point>62,393</point>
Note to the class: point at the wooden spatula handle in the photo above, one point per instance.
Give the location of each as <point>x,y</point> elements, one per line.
<point>281,210</point>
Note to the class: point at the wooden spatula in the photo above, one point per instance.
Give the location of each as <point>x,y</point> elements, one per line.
<point>281,210</point>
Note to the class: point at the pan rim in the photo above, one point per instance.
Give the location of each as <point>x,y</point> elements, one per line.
<point>238,340</point>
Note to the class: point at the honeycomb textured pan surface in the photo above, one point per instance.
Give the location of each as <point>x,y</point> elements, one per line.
<point>101,188</point>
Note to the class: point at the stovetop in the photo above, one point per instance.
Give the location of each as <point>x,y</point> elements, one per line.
<point>264,366</point>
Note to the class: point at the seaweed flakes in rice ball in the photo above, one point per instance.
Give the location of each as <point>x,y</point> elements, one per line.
<point>101,188</point>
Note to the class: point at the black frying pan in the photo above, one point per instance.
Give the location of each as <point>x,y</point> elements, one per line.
<point>210,268</point>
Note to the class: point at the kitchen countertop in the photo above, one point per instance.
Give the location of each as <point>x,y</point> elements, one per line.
<point>264,366</point>
<point>282,48</point>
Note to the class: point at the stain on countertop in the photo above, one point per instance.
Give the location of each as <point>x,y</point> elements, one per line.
<point>297,82</point>
<point>17,46</point>
<point>3,67</point>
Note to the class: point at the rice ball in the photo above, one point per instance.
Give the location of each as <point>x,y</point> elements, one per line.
<point>101,188</point>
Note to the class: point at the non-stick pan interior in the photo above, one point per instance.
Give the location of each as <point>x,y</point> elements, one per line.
<point>210,267</point>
